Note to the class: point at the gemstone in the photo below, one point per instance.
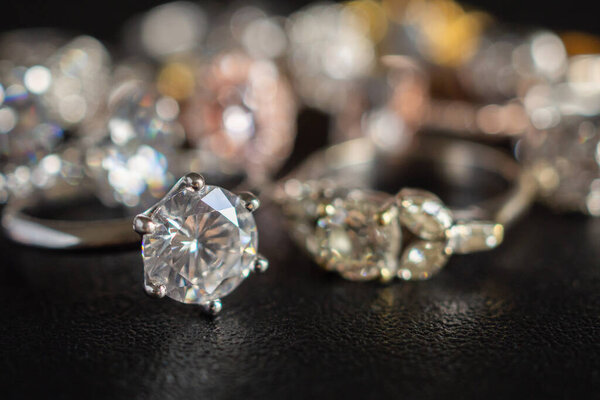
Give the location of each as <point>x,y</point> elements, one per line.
<point>77,81</point>
<point>353,239</point>
<point>564,160</point>
<point>203,246</point>
<point>243,110</point>
<point>135,176</point>
<point>135,158</point>
<point>468,237</point>
<point>422,259</point>
<point>328,83</point>
<point>141,115</point>
<point>423,213</point>
<point>26,129</point>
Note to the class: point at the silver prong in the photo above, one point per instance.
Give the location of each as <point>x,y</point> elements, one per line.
<point>386,216</point>
<point>251,202</point>
<point>213,307</point>
<point>155,290</point>
<point>261,264</point>
<point>385,275</point>
<point>194,181</point>
<point>143,224</point>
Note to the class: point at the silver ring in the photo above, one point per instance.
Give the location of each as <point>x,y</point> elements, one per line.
<point>22,227</point>
<point>21,223</point>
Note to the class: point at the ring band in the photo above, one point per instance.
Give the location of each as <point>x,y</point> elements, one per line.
<point>20,223</point>
<point>26,229</point>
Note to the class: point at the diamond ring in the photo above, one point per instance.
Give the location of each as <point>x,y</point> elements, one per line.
<point>199,243</point>
<point>364,234</point>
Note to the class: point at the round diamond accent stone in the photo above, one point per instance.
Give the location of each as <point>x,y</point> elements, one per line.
<point>203,246</point>
<point>354,242</point>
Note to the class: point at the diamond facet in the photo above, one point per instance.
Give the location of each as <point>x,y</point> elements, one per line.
<point>468,237</point>
<point>203,246</point>
<point>564,160</point>
<point>354,242</point>
<point>422,260</point>
<point>423,213</point>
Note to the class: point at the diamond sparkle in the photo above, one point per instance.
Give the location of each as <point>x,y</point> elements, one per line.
<point>204,245</point>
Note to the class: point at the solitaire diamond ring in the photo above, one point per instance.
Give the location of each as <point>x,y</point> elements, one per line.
<point>199,243</point>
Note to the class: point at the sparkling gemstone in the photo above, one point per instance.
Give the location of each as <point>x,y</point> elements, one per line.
<point>204,245</point>
<point>564,159</point>
<point>329,54</point>
<point>135,176</point>
<point>243,110</point>
<point>422,259</point>
<point>468,237</point>
<point>423,213</point>
<point>508,63</point>
<point>353,239</point>
<point>77,81</point>
<point>140,115</point>
<point>135,158</point>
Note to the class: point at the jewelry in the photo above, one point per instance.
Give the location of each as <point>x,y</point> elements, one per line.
<point>48,85</point>
<point>199,243</point>
<point>364,234</point>
<point>330,55</point>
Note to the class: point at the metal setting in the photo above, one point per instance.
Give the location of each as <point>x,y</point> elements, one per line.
<point>251,202</point>
<point>155,290</point>
<point>213,307</point>
<point>194,181</point>
<point>261,264</point>
<point>142,224</point>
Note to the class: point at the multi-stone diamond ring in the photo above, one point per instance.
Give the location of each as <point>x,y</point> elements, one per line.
<point>365,234</point>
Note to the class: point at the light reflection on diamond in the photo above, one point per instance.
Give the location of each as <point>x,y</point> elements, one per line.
<point>203,247</point>
<point>38,79</point>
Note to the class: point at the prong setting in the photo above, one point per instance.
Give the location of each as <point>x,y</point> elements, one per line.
<point>213,307</point>
<point>386,216</point>
<point>190,196</point>
<point>251,202</point>
<point>194,181</point>
<point>261,264</point>
<point>143,224</point>
<point>155,290</point>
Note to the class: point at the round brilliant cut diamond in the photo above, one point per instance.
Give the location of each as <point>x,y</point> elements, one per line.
<point>203,246</point>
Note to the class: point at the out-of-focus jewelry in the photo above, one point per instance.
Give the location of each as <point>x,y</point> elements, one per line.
<point>235,114</point>
<point>561,146</point>
<point>330,55</point>
<point>199,243</point>
<point>234,103</point>
<point>166,31</point>
<point>242,110</point>
<point>517,84</point>
<point>133,158</point>
<point>50,84</point>
<point>365,234</point>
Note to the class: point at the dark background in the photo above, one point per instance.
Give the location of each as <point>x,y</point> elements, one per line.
<point>522,321</point>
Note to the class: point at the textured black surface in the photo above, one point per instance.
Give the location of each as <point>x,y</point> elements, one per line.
<point>522,321</point>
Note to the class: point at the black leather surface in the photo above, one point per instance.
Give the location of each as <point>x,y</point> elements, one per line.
<point>522,321</point>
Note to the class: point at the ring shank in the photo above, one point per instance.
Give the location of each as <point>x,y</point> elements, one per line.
<point>23,227</point>
<point>354,164</point>
<point>27,229</point>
